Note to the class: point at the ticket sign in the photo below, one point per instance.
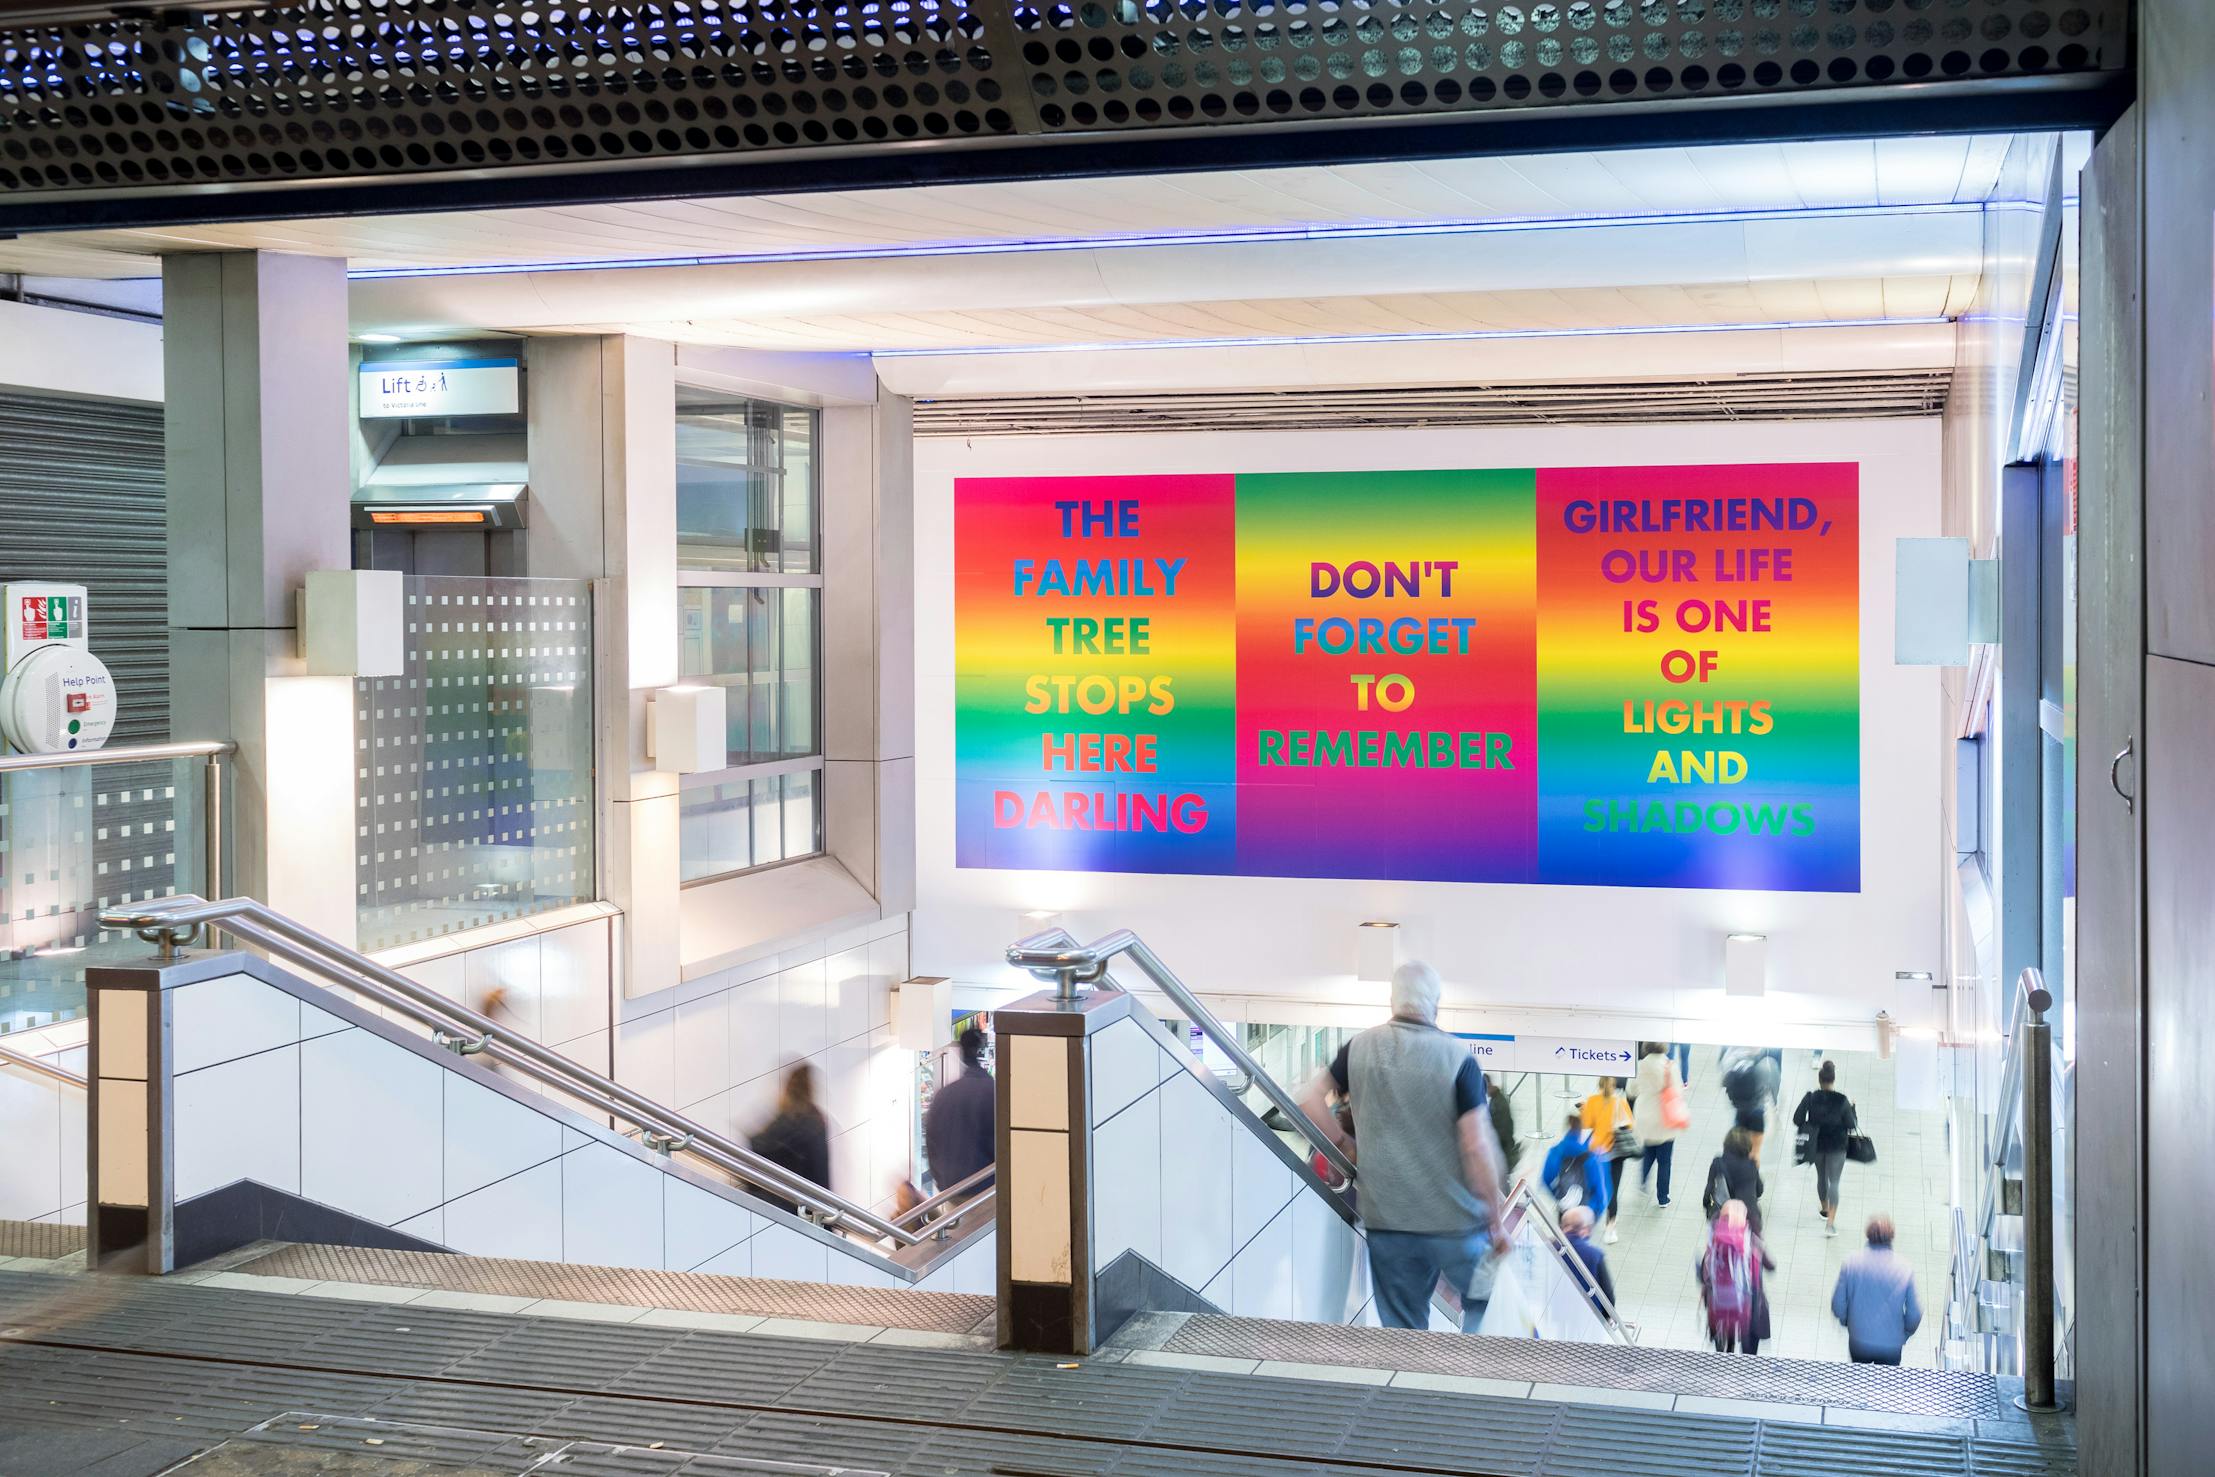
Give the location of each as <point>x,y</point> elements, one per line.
<point>427,387</point>
<point>1611,676</point>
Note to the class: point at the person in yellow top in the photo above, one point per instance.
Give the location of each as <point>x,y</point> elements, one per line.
<point>1606,1115</point>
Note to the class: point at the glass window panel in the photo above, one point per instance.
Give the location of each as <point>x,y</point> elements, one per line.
<point>802,831</point>
<point>715,830</point>
<point>796,676</point>
<point>768,823</point>
<point>764,617</point>
<point>745,484</point>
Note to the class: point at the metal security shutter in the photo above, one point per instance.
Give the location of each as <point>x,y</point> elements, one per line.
<point>82,500</point>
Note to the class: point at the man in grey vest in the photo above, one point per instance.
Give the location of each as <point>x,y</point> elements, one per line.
<point>1429,1168</point>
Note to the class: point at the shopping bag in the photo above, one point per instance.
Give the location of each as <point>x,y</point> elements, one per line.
<point>1510,1314</point>
<point>1676,1113</point>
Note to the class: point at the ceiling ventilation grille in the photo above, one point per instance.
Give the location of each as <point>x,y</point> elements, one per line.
<point>109,98</point>
<point>1841,395</point>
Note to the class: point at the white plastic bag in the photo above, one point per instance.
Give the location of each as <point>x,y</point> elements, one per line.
<point>1511,1314</point>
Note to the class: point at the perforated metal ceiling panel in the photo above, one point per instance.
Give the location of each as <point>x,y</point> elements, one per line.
<point>353,90</point>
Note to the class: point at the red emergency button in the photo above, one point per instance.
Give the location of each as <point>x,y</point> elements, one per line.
<point>77,702</point>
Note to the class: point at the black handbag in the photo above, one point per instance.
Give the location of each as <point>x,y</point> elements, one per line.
<point>1861,1149</point>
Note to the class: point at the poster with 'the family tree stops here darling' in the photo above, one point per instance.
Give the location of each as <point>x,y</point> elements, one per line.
<point>1610,676</point>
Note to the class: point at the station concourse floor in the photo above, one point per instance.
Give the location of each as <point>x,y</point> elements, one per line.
<point>1652,1261</point>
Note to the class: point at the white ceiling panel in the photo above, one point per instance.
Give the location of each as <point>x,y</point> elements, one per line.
<point>1634,182</point>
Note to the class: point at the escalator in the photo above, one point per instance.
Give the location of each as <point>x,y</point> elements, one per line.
<point>1210,1186</point>
<point>314,1095</point>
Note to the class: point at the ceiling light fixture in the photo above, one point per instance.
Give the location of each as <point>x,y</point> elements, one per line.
<point>1480,335</point>
<point>1258,236</point>
<point>377,338</point>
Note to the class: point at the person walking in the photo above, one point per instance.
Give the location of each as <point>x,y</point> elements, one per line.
<point>1875,1298</point>
<point>1733,1175</point>
<point>1658,1112</point>
<point>1575,1173</point>
<point>1827,1117</point>
<point>1606,1114</point>
<point>1431,1198</point>
<point>1680,1052</point>
<point>958,1129</point>
<point>1503,1124</point>
<point>798,1138</point>
<point>1732,1292</point>
<point>1597,1284</point>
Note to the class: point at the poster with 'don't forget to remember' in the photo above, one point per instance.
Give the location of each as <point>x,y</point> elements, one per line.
<point>1617,676</point>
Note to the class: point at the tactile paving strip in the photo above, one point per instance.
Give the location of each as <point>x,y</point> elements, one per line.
<point>696,1292</point>
<point>1949,1393</point>
<point>903,1413</point>
<point>40,1239</point>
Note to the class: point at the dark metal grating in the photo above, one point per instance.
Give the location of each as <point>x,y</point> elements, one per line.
<point>340,90</point>
<point>1839,395</point>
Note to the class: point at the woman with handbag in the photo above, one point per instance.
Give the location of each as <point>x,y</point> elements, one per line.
<point>1659,1112</point>
<point>1827,1117</point>
<point>1607,1119</point>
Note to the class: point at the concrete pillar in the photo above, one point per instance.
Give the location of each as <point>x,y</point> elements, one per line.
<point>869,645</point>
<point>603,447</point>
<point>259,439</point>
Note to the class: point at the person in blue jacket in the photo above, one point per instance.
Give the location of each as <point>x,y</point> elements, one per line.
<point>1574,1174</point>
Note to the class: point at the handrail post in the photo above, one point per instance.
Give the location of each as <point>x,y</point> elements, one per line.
<point>211,796</point>
<point>2038,1229</point>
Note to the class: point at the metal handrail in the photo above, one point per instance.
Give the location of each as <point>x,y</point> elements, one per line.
<point>127,754</point>
<point>171,921</point>
<point>1524,1205</point>
<point>1056,955</point>
<point>922,1208</point>
<point>19,1062</point>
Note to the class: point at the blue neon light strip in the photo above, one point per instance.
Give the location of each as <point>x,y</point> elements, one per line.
<point>1256,236</point>
<point>1485,335</point>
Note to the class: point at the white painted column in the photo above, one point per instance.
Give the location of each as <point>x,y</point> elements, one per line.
<point>259,436</point>
<point>869,645</point>
<point>603,447</point>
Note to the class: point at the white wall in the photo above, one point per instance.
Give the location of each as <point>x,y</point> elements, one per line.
<point>713,1048</point>
<point>1635,958</point>
<point>42,1129</point>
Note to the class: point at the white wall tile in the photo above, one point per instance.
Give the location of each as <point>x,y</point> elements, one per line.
<point>519,1216</point>
<point>488,1136</point>
<point>888,965</point>
<point>1126,1064</point>
<point>802,1026</point>
<point>698,1225</point>
<point>846,982</point>
<point>977,1270</point>
<point>702,1050</point>
<point>73,1107</point>
<point>754,1009</point>
<point>1261,1273</point>
<point>239,1120</point>
<point>371,1116</point>
<point>512,971</point>
<point>752,1104</point>
<point>1260,1184</point>
<point>1126,1184</point>
<point>31,1164</point>
<point>223,1019</point>
<point>737,1262</point>
<point>1196,1133</point>
<point>851,1171</point>
<point>573,981</point>
<point>443,975</point>
<point>842,1083</point>
<point>785,1254</point>
<point>318,1022</point>
<point>610,1209</point>
<point>1330,1266</point>
<point>646,1055</point>
<point>589,1051</point>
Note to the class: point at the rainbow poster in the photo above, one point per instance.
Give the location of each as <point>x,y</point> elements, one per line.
<point>1608,676</point>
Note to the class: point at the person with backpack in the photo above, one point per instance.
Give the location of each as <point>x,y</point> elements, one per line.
<point>1733,1175</point>
<point>1575,1173</point>
<point>1750,1082</point>
<point>1658,1113</point>
<point>1731,1291</point>
<point>1828,1119</point>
